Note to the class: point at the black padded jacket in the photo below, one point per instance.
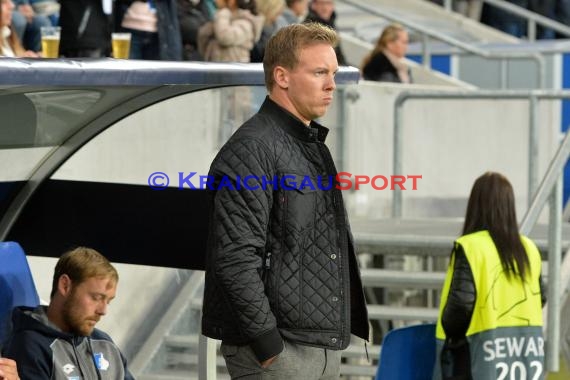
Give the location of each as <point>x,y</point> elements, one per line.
<point>380,69</point>
<point>280,262</point>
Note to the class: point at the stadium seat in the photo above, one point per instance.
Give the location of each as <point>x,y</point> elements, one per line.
<point>17,286</point>
<point>408,353</point>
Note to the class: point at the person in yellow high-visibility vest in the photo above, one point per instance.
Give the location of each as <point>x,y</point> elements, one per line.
<point>490,320</point>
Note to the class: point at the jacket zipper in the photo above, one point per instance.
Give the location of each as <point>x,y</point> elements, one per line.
<point>73,342</point>
<point>344,261</point>
<point>267,263</point>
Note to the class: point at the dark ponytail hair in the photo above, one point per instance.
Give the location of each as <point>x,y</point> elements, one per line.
<point>250,5</point>
<point>491,207</point>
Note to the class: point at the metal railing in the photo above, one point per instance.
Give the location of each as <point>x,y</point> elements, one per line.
<point>551,186</point>
<point>427,33</point>
<point>531,17</point>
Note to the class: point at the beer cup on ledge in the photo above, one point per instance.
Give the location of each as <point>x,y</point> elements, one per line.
<point>50,41</point>
<point>121,43</point>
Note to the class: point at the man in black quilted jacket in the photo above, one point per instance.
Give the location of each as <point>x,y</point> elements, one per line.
<point>283,290</point>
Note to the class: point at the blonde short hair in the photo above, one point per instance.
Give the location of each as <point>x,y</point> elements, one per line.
<point>284,47</point>
<point>81,264</point>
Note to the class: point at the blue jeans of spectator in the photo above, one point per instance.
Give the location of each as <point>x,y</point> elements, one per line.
<point>30,32</point>
<point>144,45</point>
<point>505,21</point>
<point>562,11</point>
<point>516,28</point>
<point>53,17</point>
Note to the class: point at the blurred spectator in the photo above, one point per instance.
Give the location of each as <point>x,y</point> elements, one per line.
<point>212,7</point>
<point>47,8</point>
<point>27,24</point>
<point>85,29</point>
<point>469,8</point>
<point>385,62</point>
<point>546,8</point>
<point>233,32</point>
<point>192,14</point>
<point>229,37</point>
<point>562,12</point>
<point>154,28</point>
<point>323,12</point>
<point>10,45</point>
<point>505,21</point>
<point>295,11</point>
<point>557,10</point>
<point>272,11</point>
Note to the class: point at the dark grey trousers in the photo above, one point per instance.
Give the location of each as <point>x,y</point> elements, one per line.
<point>295,362</point>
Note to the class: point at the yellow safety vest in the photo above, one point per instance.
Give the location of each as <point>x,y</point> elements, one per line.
<point>505,332</point>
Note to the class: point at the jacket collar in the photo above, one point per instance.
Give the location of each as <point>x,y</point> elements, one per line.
<point>35,319</point>
<point>292,125</point>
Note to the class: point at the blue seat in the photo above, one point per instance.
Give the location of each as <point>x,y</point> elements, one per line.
<point>408,353</point>
<point>17,286</point>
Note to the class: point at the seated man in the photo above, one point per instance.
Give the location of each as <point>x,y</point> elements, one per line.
<point>8,370</point>
<point>60,341</point>
<point>27,24</point>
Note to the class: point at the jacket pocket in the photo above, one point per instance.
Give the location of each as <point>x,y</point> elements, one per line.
<point>300,196</point>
